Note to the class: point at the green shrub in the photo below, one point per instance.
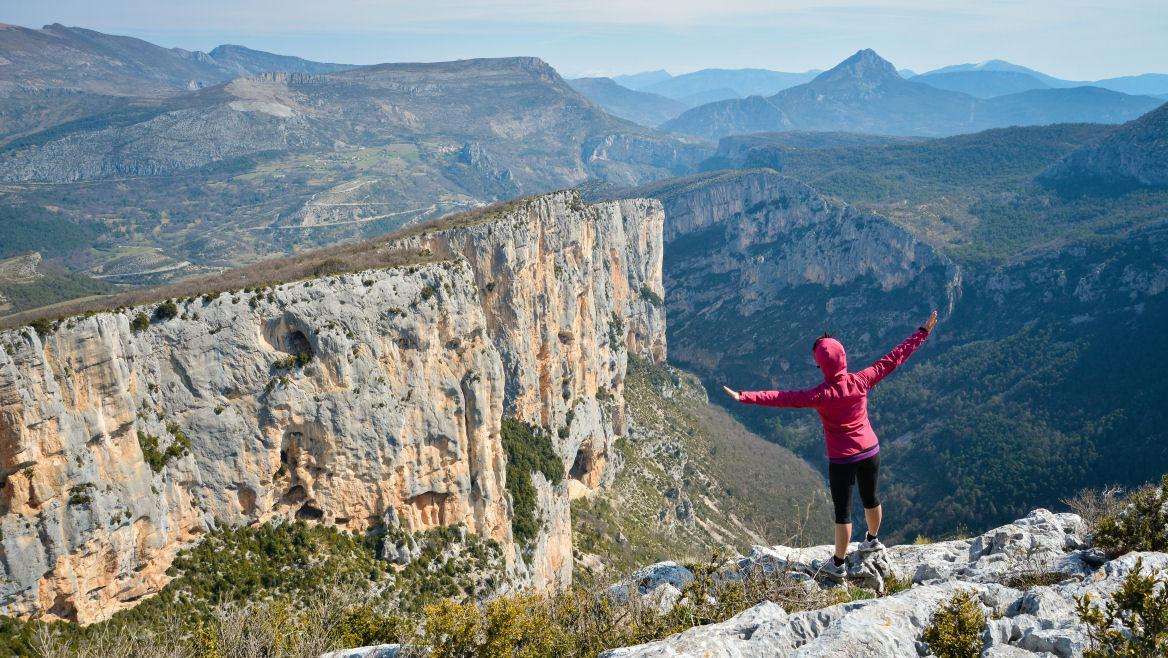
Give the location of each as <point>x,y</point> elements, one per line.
<point>79,495</point>
<point>1139,525</point>
<point>1134,623</point>
<point>652,297</point>
<point>42,326</point>
<point>298,360</point>
<point>167,310</point>
<point>179,446</point>
<point>285,363</point>
<point>528,449</point>
<point>16,636</point>
<point>956,628</point>
<point>149,445</point>
<point>616,330</point>
<point>139,323</point>
<point>894,584</point>
<point>287,559</point>
<point>447,566</point>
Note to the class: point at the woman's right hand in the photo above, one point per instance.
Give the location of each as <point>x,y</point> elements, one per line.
<point>731,392</point>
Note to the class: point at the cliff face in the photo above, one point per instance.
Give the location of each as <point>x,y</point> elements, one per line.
<point>120,446</point>
<point>759,264</point>
<point>1135,154</point>
<point>568,291</point>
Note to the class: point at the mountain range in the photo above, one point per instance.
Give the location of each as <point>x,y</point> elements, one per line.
<point>981,80</point>
<point>997,77</point>
<point>61,57</point>
<point>645,108</point>
<point>865,93</point>
<point>736,82</point>
<point>301,158</point>
<point>990,78</point>
<point>654,97</point>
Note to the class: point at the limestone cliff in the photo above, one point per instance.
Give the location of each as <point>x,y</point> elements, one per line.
<point>354,399</point>
<point>565,288</point>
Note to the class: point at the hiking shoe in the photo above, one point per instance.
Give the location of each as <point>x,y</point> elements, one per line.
<point>870,546</point>
<point>830,569</point>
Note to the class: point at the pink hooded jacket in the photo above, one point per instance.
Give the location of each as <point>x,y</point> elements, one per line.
<point>842,398</point>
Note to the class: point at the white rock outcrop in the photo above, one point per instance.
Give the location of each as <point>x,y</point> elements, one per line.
<point>1035,620</point>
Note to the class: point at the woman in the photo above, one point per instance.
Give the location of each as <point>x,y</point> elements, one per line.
<point>852,446</point>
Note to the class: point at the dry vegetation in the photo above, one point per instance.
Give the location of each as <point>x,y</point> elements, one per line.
<point>578,623</point>
<point>1092,506</point>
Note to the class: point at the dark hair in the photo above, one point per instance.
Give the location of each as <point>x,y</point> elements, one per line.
<point>819,340</point>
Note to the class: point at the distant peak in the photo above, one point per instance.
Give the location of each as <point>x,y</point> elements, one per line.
<point>867,57</point>
<point>865,65</point>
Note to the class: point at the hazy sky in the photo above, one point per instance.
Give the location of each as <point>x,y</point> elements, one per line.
<point>1071,39</point>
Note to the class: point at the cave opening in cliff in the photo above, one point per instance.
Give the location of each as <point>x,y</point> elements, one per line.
<point>295,494</point>
<point>583,464</point>
<point>295,342</point>
<point>282,335</point>
<point>309,512</point>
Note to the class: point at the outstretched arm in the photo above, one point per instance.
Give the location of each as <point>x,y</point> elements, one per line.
<point>805,398</point>
<point>899,354</point>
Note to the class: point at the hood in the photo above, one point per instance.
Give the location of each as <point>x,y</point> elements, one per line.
<point>831,357</point>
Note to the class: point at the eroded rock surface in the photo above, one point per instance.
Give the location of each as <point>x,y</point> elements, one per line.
<point>1022,619</point>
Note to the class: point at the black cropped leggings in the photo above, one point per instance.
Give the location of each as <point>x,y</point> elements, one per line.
<point>841,477</point>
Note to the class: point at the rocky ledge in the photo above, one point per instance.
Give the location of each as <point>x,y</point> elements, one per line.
<point>1025,575</point>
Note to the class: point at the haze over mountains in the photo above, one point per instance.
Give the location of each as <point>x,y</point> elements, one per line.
<point>645,108</point>
<point>709,85</point>
<point>865,93</point>
<point>984,80</point>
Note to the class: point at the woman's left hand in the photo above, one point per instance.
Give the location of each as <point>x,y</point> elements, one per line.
<point>731,392</point>
<point>930,323</point>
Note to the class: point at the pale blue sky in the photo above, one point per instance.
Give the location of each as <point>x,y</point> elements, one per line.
<point>1071,39</point>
